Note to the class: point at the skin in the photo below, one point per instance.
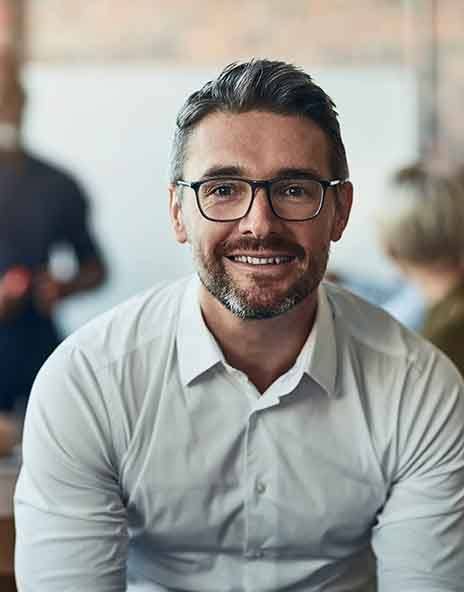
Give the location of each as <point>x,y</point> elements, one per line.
<point>260,145</point>
<point>435,279</point>
<point>9,434</point>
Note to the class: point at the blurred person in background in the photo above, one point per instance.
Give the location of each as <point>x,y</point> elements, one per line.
<point>249,427</point>
<point>41,208</point>
<point>401,298</point>
<point>424,237</point>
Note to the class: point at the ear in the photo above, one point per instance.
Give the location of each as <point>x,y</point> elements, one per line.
<point>343,203</point>
<point>176,214</point>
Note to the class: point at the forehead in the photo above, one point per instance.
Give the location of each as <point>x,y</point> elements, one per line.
<point>258,144</point>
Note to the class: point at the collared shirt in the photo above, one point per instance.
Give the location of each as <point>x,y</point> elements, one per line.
<point>148,460</point>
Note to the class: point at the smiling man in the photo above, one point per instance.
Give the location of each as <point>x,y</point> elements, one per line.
<point>249,428</point>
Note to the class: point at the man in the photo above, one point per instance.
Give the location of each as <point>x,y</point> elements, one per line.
<point>41,209</point>
<point>248,429</point>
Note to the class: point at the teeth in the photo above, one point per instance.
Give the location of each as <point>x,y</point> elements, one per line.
<point>261,260</point>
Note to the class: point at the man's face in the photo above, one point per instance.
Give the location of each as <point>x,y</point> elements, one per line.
<point>258,145</point>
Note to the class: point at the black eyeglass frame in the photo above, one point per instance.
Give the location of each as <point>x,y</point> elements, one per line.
<point>266,185</point>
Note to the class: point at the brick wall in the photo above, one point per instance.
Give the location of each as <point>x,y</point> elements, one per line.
<point>315,33</point>
<point>11,26</point>
<point>215,31</point>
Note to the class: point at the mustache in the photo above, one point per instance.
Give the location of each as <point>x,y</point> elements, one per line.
<point>272,243</point>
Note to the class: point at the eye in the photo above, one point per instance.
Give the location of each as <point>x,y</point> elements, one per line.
<point>290,190</point>
<point>297,189</point>
<point>221,189</point>
<point>224,190</point>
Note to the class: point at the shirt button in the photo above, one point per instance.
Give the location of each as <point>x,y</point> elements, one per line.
<point>260,487</point>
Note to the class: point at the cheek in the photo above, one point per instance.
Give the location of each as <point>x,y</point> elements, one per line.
<point>212,242</point>
<point>314,238</point>
<point>205,236</point>
<point>191,222</point>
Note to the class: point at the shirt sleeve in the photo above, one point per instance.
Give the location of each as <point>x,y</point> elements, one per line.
<point>419,535</point>
<point>75,224</point>
<point>71,527</point>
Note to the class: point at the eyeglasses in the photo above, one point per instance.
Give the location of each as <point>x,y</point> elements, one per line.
<point>227,199</point>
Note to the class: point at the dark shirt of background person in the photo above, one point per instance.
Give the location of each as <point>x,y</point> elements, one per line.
<point>42,208</point>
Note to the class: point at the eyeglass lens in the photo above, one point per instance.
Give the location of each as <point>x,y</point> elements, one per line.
<point>228,199</point>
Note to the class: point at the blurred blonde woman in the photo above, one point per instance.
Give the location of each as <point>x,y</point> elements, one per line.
<point>425,238</point>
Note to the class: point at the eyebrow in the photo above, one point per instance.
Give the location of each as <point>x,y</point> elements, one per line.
<point>221,171</point>
<point>297,172</point>
<point>237,171</point>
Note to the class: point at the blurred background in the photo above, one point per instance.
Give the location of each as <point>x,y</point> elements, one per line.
<point>105,78</point>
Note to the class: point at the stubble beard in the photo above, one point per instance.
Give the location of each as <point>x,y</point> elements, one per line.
<point>254,303</point>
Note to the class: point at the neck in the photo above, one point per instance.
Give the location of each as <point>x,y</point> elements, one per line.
<point>437,288</point>
<point>436,281</point>
<point>262,349</point>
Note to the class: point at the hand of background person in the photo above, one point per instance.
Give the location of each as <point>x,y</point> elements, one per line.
<point>48,291</point>
<point>15,286</point>
<point>9,435</point>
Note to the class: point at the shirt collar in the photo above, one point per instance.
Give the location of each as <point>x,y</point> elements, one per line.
<point>322,361</point>
<point>198,350</point>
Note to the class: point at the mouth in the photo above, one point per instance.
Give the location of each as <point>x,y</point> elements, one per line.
<point>253,260</point>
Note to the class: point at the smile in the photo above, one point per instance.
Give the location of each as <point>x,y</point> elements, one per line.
<point>262,260</point>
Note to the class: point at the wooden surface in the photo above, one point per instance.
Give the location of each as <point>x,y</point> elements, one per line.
<point>7,537</point>
<point>9,468</point>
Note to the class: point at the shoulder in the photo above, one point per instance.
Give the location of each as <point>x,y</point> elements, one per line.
<point>59,181</point>
<point>446,319</point>
<point>104,372</point>
<point>131,325</point>
<point>448,336</point>
<point>410,393</point>
<point>45,167</point>
<point>378,338</point>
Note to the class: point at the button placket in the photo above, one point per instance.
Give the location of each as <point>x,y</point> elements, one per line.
<point>260,487</point>
<point>255,487</point>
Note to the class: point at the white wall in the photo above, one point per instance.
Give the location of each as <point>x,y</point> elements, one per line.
<point>112,126</point>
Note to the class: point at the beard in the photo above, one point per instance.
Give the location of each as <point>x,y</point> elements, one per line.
<point>261,300</point>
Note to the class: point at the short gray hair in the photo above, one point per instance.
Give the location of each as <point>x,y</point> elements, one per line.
<point>261,85</point>
<point>429,227</point>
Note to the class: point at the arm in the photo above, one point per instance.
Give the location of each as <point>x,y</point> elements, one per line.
<point>49,291</point>
<point>9,434</point>
<point>71,531</point>
<point>15,286</point>
<point>75,232</point>
<point>419,535</point>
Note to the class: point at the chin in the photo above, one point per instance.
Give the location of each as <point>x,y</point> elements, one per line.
<point>248,306</point>
<point>253,311</point>
<point>253,298</point>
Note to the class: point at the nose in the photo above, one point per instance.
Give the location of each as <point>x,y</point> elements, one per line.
<point>260,220</point>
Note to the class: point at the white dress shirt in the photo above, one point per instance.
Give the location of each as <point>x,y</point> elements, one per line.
<point>149,460</point>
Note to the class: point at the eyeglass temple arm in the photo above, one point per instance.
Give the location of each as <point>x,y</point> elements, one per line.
<point>183,183</point>
<point>337,182</point>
